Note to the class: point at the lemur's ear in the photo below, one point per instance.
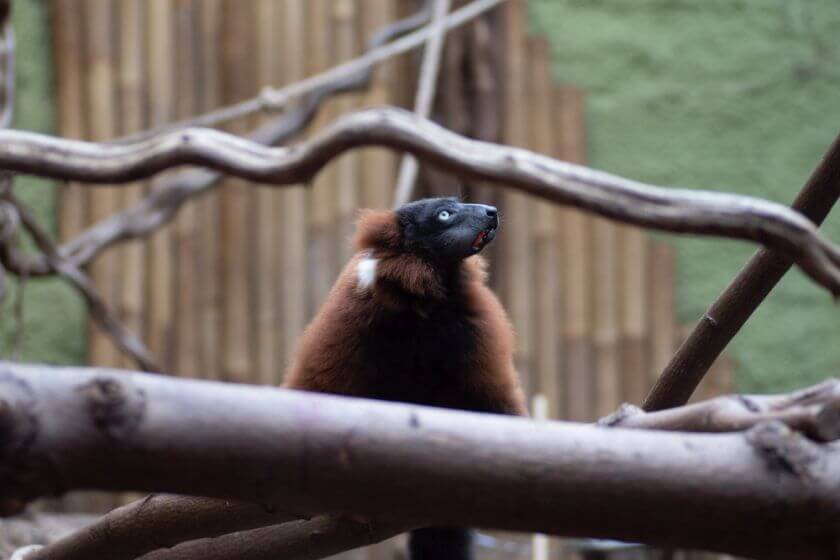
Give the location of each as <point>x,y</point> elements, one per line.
<point>378,229</point>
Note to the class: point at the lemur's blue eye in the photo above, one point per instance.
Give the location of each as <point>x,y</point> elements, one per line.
<point>445,215</point>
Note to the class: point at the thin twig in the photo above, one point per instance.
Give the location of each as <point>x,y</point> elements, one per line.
<point>667,209</point>
<point>273,99</point>
<point>427,84</point>
<point>99,311</point>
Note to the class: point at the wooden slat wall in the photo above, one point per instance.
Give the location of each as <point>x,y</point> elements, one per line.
<point>225,290</point>
<point>133,98</point>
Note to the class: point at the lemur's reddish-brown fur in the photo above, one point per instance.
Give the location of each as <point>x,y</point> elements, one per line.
<point>419,334</point>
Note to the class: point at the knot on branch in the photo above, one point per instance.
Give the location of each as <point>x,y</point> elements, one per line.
<point>618,417</point>
<point>18,429</point>
<point>18,422</point>
<point>784,451</point>
<point>114,406</point>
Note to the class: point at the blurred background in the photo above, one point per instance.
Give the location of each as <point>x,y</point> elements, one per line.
<point>720,94</point>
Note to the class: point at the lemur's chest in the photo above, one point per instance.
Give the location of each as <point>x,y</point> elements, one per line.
<point>418,355</point>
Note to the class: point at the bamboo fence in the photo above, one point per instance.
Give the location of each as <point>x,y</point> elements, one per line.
<point>224,291</point>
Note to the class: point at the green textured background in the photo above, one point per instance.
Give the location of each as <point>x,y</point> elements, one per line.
<point>716,94</point>
<point>54,328</point>
<point>719,94</point>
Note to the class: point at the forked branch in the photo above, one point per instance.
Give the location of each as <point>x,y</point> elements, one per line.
<point>725,317</point>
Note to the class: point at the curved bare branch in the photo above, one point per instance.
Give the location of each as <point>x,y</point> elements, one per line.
<point>158,521</point>
<point>674,210</point>
<point>319,537</point>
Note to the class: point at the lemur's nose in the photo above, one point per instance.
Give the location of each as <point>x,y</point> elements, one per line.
<point>491,211</point>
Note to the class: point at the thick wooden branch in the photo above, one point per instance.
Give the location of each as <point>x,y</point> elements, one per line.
<point>762,492</point>
<point>675,210</point>
<point>741,298</point>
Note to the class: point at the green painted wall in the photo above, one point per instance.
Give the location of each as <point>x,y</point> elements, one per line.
<point>716,94</point>
<point>53,316</point>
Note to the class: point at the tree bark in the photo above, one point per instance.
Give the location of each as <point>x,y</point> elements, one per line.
<point>765,492</point>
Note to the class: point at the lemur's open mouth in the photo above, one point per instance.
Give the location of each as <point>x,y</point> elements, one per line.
<point>483,238</point>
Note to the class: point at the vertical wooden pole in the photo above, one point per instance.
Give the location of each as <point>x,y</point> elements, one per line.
<point>322,208</point>
<point>576,267</point>
<point>294,279</point>
<point>68,53</point>
<point>547,283</point>
<point>186,236</point>
<point>378,173</point>
<point>208,206</point>
<point>131,30</point>
<point>378,165</point>
<point>237,203</point>
<point>662,309</point>
<point>485,61</point>
<point>345,47</point>
<point>268,323</point>
<point>606,316</point>
<point>133,98</point>
<point>635,320</point>
<point>161,76</point>
<point>515,246</point>
<point>101,113</point>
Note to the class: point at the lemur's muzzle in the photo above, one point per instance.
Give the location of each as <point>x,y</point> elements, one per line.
<point>490,218</point>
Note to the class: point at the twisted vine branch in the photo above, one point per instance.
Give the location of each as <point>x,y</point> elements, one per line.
<point>625,200</point>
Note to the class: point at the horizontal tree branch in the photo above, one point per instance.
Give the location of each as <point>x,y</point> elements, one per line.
<point>675,210</point>
<point>765,492</point>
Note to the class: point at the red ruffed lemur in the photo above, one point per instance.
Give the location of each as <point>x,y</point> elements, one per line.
<point>411,319</point>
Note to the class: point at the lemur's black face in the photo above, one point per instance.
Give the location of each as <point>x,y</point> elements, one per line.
<point>447,229</point>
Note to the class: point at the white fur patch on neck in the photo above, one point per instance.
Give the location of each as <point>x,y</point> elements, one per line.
<point>366,273</point>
